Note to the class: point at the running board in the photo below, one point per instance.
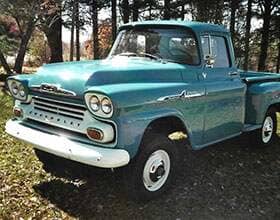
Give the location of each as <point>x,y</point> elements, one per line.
<point>250,127</point>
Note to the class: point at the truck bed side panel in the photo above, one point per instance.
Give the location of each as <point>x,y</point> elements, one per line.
<point>260,96</point>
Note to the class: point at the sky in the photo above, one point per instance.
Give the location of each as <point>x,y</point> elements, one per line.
<point>84,35</point>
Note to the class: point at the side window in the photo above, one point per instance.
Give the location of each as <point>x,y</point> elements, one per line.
<point>184,49</point>
<point>220,51</point>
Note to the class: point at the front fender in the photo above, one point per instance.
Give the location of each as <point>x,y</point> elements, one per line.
<point>131,128</point>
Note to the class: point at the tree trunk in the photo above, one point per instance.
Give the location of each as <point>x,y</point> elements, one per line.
<point>5,64</point>
<point>218,12</point>
<point>23,46</point>
<point>77,22</point>
<point>95,31</point>
<point>278,58</point>
<point>135,10</point>
<point>114,19</point>
<point>126,11</point>
<point>233,7</point>
<point>247,34</point>
<point>265,35</point>
<point>72,31</point>
<point>54,36</point>
<point>150,10</point>
<point>166,12</point>
<point>183,11</point>
<point>202,10</point>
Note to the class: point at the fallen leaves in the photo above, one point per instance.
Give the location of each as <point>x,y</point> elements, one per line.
<point>20,170</point>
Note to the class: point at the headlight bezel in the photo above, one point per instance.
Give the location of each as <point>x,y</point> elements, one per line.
<point>100,112</point>
<point>104,105</point>
<point>21,89</point>
<point>97,103</point>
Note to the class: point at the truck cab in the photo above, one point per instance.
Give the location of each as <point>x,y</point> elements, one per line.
<point>161,77</point>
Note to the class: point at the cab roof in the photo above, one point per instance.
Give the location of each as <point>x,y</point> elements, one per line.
<point>194,25</point>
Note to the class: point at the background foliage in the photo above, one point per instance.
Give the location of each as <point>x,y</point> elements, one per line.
<point>31,31</point>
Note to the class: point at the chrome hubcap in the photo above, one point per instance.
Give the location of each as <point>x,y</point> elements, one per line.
<point>267,129</point>
<point>156,170</point>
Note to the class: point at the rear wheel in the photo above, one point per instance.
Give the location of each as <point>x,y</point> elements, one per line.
<point>153,170</point>
<point>267,134</point>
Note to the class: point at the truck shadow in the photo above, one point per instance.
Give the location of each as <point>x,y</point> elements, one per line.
<point>229,179</point>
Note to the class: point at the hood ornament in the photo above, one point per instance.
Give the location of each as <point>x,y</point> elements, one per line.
<point>52,89</point>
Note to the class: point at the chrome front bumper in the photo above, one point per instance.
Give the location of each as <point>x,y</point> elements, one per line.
<point>63,147</point>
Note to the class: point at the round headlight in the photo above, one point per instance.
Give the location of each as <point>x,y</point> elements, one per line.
<point>94,103</point>
<point>21,91</point>
<point>14,88</point>
<point>106,106</point>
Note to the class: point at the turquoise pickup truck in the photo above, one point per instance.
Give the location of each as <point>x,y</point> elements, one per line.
<point>160,77</point>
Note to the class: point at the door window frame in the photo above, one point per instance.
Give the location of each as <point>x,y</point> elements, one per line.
<point>210,36</point>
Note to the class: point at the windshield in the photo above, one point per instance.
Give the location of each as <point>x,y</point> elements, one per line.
<point>169,44</point>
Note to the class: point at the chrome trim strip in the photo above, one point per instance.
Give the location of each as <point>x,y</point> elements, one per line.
<point>183,94</point>
<point>54,100</point>
<point>52,89</point>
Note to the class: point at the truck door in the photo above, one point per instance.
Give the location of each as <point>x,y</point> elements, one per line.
<point>225,92</point>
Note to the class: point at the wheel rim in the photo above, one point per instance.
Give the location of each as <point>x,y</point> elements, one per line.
<point>267,129</point>
<point>156,170</point>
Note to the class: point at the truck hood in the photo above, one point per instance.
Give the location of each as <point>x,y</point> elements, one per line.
<point>79,76</point>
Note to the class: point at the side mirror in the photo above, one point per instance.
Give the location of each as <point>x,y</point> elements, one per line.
<point>209,60</point>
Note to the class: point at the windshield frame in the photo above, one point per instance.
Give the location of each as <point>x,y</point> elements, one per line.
<point>143,27</point>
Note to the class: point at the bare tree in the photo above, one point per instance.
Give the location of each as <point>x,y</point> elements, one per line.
<point>135,10</point>
<point>51,25</point>
<point>23,45</point>
<point>125,9</point>
<point>72,31</point>
<point>114,18</point>
<point>247,34</point>
<point>278,58</point>
<point>95,30</point>
<point>5,64</point>
<point>266,6</point>
<point>234,4</point>
<point>77,24</point>
<point>166,10</point>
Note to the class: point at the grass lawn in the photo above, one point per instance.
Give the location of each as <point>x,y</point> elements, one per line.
<point>230,180</point>
<point>19,172</point>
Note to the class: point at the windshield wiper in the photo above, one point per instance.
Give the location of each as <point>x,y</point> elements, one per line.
<point>151,56</point>
<point>128,54</point>
<point>141,54</point>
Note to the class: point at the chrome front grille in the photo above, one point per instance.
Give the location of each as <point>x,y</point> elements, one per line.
<point>57,113</point>
<point>59,108</point>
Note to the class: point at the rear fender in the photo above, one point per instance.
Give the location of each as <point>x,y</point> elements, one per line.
<point>260,98</point>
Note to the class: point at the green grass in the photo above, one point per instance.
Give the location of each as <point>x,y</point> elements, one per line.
<point>19,172</point>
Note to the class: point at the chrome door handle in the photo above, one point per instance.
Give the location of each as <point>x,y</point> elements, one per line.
<point>233,73</point>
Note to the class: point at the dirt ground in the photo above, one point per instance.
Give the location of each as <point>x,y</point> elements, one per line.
<point>230,180</point>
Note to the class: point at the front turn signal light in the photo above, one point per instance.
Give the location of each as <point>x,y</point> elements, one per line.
<point>95,134</point>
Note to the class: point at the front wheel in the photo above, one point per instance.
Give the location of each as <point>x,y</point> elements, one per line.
<point>153,170</point>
